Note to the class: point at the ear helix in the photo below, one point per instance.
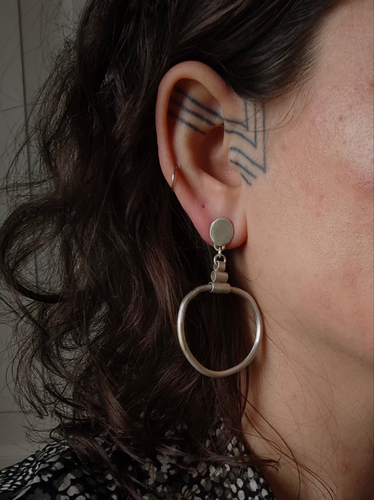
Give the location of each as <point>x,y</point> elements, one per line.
<point>221,233</point>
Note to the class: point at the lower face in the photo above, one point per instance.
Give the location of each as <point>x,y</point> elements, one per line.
<point>310,219</point>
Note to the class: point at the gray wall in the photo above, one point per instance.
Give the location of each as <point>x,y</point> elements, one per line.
<point>30,31</point>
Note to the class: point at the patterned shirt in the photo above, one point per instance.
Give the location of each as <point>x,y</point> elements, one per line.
<point>56,473</point>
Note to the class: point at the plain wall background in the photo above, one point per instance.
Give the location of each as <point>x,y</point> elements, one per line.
<point>30,33</point>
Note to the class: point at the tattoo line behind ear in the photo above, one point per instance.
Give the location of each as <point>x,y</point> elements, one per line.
<point>248,147</point>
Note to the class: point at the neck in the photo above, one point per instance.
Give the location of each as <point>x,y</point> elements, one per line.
<point>318,406</point>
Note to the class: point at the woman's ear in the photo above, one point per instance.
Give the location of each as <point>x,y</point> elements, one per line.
<point>193,109</point>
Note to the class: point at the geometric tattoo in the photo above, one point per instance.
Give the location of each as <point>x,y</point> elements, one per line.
<point>248,148</point>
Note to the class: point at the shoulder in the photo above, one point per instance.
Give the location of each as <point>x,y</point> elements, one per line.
<point>172,481</point>
<point>55,473</point>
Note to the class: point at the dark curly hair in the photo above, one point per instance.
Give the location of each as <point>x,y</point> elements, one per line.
<point>96,260</point>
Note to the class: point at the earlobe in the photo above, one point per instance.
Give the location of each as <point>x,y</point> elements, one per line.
<point>190,120</point>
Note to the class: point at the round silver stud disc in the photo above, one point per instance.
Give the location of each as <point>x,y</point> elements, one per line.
<point>221,232</point>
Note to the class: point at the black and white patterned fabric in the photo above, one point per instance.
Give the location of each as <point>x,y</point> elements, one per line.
<point>56,473</point>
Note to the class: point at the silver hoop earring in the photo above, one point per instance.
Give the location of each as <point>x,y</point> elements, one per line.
<point>221,233</point>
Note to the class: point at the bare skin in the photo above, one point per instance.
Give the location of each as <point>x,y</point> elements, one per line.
<point>301,202</point>
<point>315,280</point>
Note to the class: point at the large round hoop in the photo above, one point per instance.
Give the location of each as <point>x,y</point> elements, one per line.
<point>182,336</point>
